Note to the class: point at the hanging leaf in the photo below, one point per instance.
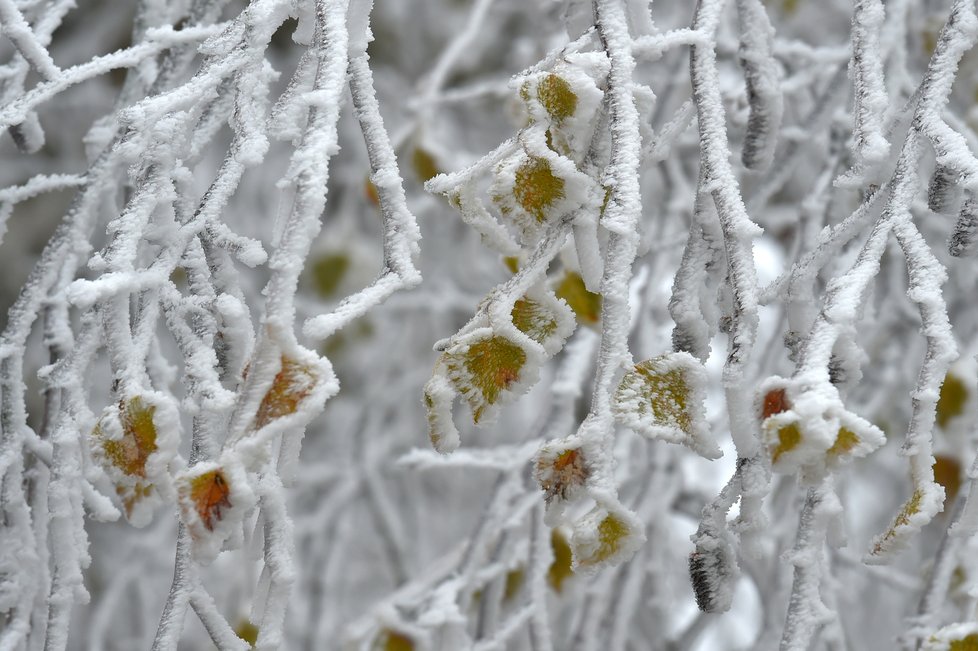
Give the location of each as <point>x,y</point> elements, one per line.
<point>483,370</point>
<point>956,637</point>
<point>561,472</point>
<point>390,640</point>
<point>292,384</point>
<point>947,473</point>
<point>424,164</point>
<point>544,319</point>
<point>561,569</point>
<point>209,493</point>
<point>663,398</point>
<point>604,538</point>
<point>247,631</point>
<point>557,97</point>
<point>926,501</point>
<point>536,187</point>
<point>129,453</point>
<point>953,397</point>
<point>533,320</point>
<point>213,498</point>
<point>134,442</point>
<point>806,430</point>
<point>586,305</point>
<point>327,272</point>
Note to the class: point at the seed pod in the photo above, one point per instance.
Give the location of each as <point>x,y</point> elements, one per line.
<point>763,85</point>
<point>941,191</point>
<point>713,571</point>
<point>964,237</point>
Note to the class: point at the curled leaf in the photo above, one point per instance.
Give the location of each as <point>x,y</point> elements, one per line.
<point>925,502</point>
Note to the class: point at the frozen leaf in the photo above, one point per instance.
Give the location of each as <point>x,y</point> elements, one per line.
<point>603,538</point>
<point>134,443</point>
<point>213,498</point>
<point>327,272</point>
<point>537,188</point>
<point>925,502</point>
<point>663,398</point>
<point>424,164</point>
<point>561,472</point>
<point>544,319</point>
<point>956,637</point>
<point>954,395</point>
<point>391,640</point>
<point>209,493</point>
<point>138,441</point>
<point>293,383</point>
<point>370,192</point>
<point>775,402</point>
<point>557,97</point>
<point>484,369</point>
<point>247,631</point>
<point>533,320</point>
<point>947,473</point>
<point>586,305</point>
<point>811,428</point>
<point>438,398</point>
<point>512,263</point>
<point>513,584</point>
<point>561,568</point>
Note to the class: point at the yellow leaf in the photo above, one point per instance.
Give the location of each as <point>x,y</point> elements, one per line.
<point>954,395</point>
<point>370,192</point>
<point>845,441</point>
<point>514,582</point>
<point>486,369</point>
<point>138,441</point>
<point>533,319</point>
<point>390,640</point>
<point>947,473</point>
<point>328,272</point>
<point>612,534</point>
<point>247,631</point>
<point>586,305</point>
<point>424,164</point>
<point>789,437</point>
<point>536,187</point>
<point>557,98</point>
<point>560,569</point>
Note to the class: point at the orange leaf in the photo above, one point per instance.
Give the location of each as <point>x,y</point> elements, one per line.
<point>210,493</point>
